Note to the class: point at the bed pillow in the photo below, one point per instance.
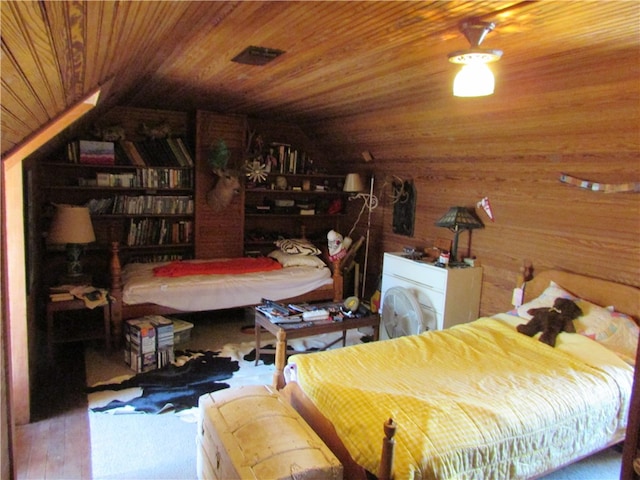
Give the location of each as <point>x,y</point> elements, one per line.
<point>297,246</point>
<point>616,331</point>
<point>545,299</point>
<point>296,259</point>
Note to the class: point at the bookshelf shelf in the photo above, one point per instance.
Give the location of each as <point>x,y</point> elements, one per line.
<point>294,215</point>
<point>150,190</point>
<point>309,204</point>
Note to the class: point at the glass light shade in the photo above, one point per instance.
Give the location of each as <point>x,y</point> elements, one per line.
<point>474,80</point>
<point>71,224</point>
<point>458,219</point>
<point>353,183</point>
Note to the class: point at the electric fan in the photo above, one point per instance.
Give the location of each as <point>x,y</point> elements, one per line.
<point>401,314</point>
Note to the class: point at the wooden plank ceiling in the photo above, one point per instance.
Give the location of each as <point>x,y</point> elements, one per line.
<point>344,61</point>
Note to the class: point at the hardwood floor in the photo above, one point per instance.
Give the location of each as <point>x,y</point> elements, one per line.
<point>56,445</point>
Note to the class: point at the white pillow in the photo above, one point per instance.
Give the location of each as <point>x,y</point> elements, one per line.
<point>296,260</point>
<point>545,300</point>
<point>614,330</point>
<point>297,246</point>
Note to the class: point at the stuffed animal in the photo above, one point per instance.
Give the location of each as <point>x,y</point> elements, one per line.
<point>552,321</point>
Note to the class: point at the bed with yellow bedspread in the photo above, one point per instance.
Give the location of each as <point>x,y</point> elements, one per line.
<point>478,400</point>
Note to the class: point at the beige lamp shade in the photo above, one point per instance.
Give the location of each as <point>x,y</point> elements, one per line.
<point>353,183</point>
<point>71,224</point>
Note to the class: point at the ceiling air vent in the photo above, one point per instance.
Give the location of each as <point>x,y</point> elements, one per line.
<point>257,55</point>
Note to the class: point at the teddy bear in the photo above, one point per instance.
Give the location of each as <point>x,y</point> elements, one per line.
<point>551,321</point>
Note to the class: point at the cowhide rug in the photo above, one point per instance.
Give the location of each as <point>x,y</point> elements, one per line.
<point>177,386</point>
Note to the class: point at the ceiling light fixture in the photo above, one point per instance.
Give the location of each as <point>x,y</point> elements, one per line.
<point>474,79</point>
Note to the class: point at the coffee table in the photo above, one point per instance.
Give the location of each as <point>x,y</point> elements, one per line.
<point>284,331</point>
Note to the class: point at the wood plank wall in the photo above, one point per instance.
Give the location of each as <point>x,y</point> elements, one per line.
<point>537,218</point>
<point>218,234</point>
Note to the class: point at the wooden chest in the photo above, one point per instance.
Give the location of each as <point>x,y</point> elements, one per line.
<point>250,432</point>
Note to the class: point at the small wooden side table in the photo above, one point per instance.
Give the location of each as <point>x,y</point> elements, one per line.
<point>80,334</point>
<point>284,331</point>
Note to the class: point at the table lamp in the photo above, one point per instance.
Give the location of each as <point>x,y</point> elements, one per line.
<point>458,219</point>
<point>71,226</point>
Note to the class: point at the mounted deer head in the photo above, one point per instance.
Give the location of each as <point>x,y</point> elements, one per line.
<point>227,186</point>
<point>228,183</point>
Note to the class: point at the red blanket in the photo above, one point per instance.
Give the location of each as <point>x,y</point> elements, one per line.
<point>231,266</point>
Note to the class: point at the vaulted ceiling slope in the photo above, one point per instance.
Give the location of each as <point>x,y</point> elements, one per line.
<point>353,73</point>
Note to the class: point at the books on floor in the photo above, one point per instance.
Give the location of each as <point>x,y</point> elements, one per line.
<point>148,343</point>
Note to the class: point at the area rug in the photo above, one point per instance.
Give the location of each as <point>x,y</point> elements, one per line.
<point>175,387</point>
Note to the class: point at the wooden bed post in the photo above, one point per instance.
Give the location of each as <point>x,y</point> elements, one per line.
<point>388,450</point>
<point>115,293</point>
<point>281,354</point>
<point>338,282</point>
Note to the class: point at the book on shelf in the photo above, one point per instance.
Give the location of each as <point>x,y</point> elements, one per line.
<point>157,231</point>
<point>162,152</point>
<point>93,152</point>
<point>185,151</point>
<point>132,153</point>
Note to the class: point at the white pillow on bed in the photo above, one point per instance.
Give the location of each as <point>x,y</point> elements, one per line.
<point>616,331</point>
<point>545,299</point>
<point>296,260</point>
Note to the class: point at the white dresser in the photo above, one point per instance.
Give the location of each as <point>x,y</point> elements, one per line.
<point>447,296</point>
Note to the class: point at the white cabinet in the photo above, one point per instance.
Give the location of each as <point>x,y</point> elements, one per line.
<point>447,296</point>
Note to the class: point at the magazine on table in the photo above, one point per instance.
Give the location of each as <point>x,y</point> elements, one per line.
<point>292,313</point>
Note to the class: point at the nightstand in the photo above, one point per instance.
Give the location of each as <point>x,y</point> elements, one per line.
<point>447,296</point>
<point>61,328</point>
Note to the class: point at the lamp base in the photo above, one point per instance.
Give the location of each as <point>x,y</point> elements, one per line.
<point>79,279</point>
<point>458,265</point>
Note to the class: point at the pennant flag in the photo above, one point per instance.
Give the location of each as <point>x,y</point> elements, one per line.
<point>486,205</point>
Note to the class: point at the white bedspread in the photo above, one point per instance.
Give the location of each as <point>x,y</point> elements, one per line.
<point>213,292</point>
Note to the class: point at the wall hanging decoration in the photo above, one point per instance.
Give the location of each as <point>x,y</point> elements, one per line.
<point>600,187</point>
<point>486,206</point>
<point>256,171</point>
<point>404,207</point>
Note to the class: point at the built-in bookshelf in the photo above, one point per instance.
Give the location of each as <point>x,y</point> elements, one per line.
<point>142,208</point>
<point>292,205</point>
<point>139,190</point>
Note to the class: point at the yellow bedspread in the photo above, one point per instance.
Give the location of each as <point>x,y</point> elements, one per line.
<point>478,400</point>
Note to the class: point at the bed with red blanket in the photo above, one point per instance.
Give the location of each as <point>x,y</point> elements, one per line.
<point>139,289</point>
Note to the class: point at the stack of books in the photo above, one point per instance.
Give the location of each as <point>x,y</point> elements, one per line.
<point>148,343</point>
